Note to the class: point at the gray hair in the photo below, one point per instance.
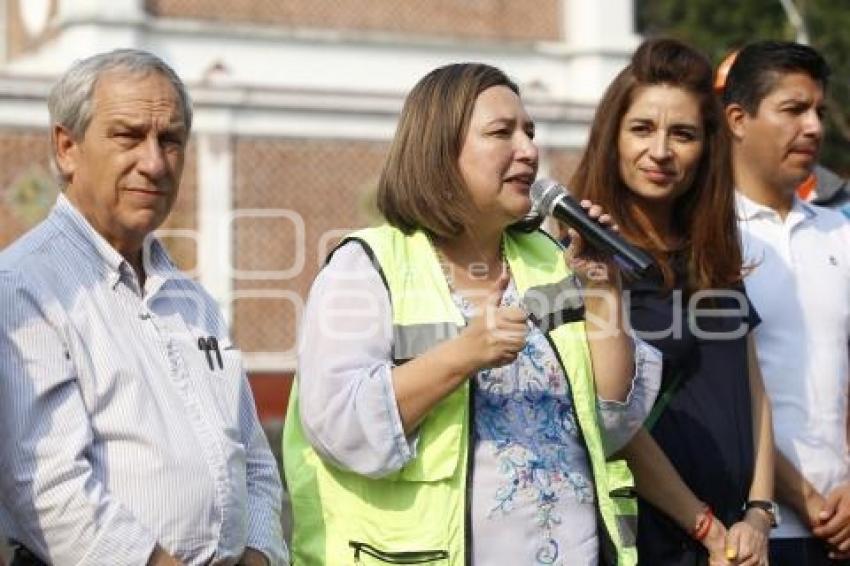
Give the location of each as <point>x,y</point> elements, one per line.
<point>70,99</point>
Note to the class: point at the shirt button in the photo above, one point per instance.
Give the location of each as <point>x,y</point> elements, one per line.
<point>144,315</point>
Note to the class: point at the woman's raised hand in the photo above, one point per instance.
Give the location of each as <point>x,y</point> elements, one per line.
<point>496,334</point>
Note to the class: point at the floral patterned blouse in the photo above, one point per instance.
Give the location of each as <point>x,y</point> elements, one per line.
<point>533,495</point>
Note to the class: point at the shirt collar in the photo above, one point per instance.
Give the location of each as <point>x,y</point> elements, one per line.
<point>76,227</point>
<point>158,265</point>
<point>748,209</point>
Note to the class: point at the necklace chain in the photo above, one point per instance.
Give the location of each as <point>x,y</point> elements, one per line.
<point>446,267</point>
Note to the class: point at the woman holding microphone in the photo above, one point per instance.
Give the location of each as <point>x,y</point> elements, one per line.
<point>450,393</point>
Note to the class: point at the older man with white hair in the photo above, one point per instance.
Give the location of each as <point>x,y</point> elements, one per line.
<point>129,432</point>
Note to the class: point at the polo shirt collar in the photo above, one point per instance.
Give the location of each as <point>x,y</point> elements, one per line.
<point>748,209</point>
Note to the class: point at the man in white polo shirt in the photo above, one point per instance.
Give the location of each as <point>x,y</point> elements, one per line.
<point>800,284</point>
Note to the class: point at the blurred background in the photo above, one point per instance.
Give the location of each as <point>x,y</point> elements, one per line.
<point>296,101</point>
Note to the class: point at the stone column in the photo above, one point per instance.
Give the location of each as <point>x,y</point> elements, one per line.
<point>215,209</point>
<point>599,37</point>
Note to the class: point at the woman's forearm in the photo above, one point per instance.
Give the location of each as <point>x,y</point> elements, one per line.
<point>611,348</point>
<point>658,482</point>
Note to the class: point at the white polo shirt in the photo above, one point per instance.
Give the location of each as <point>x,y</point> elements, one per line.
<point>800,286</point>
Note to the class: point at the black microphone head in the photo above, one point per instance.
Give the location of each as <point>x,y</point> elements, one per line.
<point>543,193</point>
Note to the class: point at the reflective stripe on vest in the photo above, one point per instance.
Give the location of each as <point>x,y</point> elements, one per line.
<point>413,339</point>
<point>548,306</point>
<point>623,494</point>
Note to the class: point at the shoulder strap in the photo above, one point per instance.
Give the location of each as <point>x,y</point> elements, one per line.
<point>663,400</point>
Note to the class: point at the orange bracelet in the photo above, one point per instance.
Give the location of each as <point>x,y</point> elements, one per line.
<point>703,525</point>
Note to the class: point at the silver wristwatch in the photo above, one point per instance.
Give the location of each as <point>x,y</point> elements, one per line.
<point>768,507</point>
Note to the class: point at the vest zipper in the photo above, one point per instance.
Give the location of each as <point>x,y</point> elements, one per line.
<point>624,493</point>
<point>407,557</point>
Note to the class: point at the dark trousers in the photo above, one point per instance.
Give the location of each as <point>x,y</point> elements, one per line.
<point>23,557</point>
<point>801,552</point>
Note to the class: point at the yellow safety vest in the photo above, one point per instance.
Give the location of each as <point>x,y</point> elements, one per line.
<point>418,515</point>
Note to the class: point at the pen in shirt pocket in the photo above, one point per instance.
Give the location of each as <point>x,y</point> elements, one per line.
<point>209,344</point>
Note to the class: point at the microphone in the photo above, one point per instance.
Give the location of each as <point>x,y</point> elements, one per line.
<point>550,197</point>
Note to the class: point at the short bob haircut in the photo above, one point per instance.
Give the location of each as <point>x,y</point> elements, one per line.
<point>758,66</point>
<point>704,215</point>
<point>70,102</point>
<point>421,186</point>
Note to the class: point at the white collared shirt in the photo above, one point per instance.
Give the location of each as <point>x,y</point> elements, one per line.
<point>118,432</point>
<point>800,286</point>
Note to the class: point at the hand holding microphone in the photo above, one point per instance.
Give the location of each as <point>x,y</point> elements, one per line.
<point>595,268</point>
<point>550,197</point>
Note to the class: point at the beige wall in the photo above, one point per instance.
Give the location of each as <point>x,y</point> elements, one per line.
<point>562,164</point>
<point>482,19</point>
<point>18,39</point>
<point>327,183</point>
<point>26,184</point>
<point>184,215</point>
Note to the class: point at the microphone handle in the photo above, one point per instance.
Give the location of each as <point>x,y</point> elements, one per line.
<point>627,256</point>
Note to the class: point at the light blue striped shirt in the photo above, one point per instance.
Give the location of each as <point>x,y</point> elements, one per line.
<point>116,433</point>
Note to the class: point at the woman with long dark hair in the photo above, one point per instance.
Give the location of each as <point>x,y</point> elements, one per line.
<point>658,161</point>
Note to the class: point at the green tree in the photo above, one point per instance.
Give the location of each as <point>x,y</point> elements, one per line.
<point>718,27</point>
